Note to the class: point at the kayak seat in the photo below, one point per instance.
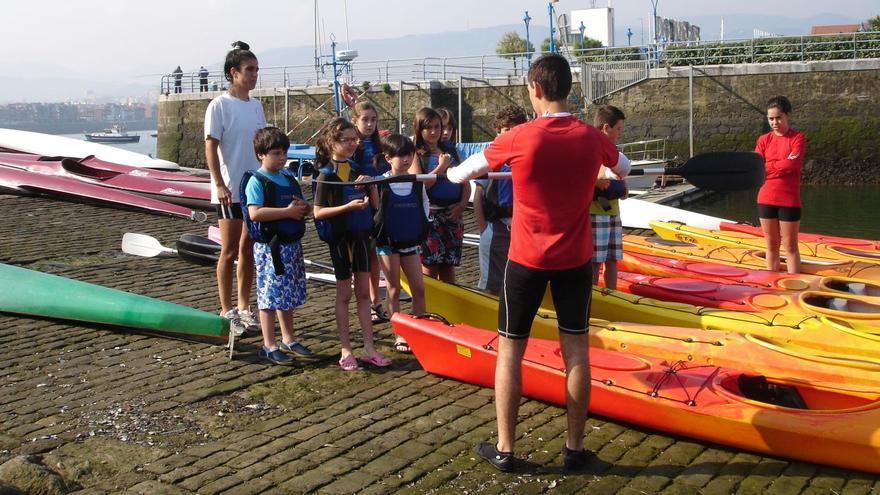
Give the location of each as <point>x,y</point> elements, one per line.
<point>717,270</point>
<point>758,388</point>
<point>685,285</point>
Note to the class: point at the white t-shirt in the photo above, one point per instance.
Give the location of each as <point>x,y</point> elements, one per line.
<point>234,123</point>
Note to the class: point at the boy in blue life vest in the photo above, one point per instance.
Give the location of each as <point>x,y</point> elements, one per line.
<point>493,208</point>
<point>274,214</point>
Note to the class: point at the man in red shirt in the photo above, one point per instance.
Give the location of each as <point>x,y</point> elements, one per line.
<point>554,161</point>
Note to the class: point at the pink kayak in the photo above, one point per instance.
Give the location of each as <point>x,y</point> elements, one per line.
<point>52,185</point>
<point>804,236</point>
<point>191,194</point>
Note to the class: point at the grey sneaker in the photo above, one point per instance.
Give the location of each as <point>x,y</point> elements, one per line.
<point>248,319</point>
<point>236,327</point>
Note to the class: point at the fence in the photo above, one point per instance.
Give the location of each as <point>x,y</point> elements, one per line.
<point>612,60</point>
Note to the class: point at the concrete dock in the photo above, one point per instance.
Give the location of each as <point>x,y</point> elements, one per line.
<point>99,410</point>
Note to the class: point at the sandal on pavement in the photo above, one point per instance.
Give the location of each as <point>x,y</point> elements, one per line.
<point>375,359</point>
<point>349,363</point>
<point>296,347</point>
<point>402,346</point>
<point>378,313</point>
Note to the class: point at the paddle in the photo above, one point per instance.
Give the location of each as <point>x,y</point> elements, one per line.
<point>716,171</point>
<point>144,245</point>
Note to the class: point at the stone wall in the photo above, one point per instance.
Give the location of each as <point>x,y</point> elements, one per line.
<point>835,104</point>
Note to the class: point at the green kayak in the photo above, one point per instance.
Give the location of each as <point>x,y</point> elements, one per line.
<point>34,293</point>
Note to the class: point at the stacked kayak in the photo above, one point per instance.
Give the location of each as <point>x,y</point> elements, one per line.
<point>40,144</point>
<point>697,346</point>
<point>745,257</point>
<point>809,250</point>
<point>864,244</point>
<point>34,293</point>
<point>175,190</point>
<point>815,422</point>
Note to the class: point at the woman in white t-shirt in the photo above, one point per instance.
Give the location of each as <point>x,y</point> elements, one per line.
<point>231,121</point>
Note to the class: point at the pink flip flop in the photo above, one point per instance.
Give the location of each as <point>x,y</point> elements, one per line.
<point>376,359</point>
<point>349,363</point>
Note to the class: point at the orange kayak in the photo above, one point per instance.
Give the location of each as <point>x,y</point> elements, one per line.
<point>814,422</point>
<point>864,244</point>
<point>780,352</point>
<point>747,257</point>
<point>810,251</point>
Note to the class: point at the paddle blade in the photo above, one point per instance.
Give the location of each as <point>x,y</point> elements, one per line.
<point>723,170</point>
<point>143,245</point>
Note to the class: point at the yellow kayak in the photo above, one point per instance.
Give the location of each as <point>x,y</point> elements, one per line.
<point>809,250</point>
<point>753,258</point>
<point>762,354</point>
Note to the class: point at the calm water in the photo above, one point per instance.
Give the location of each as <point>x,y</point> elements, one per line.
<point>835,210</point>
<point>146,146</point>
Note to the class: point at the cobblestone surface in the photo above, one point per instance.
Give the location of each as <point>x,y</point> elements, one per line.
<point>115,411</point>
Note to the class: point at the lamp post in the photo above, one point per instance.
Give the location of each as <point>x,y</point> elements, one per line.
<point>654,20</point>
<point>526,20</point>
<point>629,36</point>
<point>550,13</point>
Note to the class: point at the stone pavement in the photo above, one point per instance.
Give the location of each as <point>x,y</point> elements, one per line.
<point>104,410</point>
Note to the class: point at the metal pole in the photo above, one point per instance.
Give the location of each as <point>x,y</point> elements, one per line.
<point>400,106</point>
<point>335,81</point>
<point>550,13</point>
<point>526,20</point>
<point>691,109</point>
<point>460,99</point>
<point>286,109</point>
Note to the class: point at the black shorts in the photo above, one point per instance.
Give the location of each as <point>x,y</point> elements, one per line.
<point>229,212</point>
<point>523,289</point>
<point>783,213</point>
<point>350,257</point>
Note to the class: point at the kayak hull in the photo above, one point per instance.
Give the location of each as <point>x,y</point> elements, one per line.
<point>802,236</point>
<point>701,402</point>
<point>40,294</point>
<point>775,355</point>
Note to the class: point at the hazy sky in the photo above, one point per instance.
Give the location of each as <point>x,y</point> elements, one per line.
<point>145,38</point>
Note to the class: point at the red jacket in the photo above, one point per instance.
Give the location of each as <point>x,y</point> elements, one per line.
<point>783,159</point>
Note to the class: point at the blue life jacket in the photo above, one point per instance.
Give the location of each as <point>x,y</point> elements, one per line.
<point>443,192</point>
<point>366,156</point>
<point>400,221</point>
<point>498,198</point>
<point>359,223</point>
<point>277,232</point>
<point>616,190</point>
<point>330,230</point>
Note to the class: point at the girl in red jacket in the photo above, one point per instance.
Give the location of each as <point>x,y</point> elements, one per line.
<point>779,200</point>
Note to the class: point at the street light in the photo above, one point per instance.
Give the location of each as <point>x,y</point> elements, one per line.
<point>550,13</point>
<point>526,20</point>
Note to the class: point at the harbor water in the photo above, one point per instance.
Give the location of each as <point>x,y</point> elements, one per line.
<point>836,210</point>
<point>146,145</point>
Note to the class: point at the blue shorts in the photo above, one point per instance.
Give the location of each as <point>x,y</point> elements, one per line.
<point>607,238</point>
<point>286,291</point>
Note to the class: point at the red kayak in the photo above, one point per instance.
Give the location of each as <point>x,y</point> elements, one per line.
<point>647,264</point>
<point>191,194</point>
<point>52,185</point>
<point>814,422</point>
<point>102,168</point>
<point>804,236</point>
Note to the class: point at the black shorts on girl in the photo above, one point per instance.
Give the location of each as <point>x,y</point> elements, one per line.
<point>783,213</point>
<point>350,256</point>
<point>523,289</point>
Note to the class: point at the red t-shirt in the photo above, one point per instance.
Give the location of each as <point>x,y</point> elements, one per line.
<point>554,162</point>
<point>783,159</point>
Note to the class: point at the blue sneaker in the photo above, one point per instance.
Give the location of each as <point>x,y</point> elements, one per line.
<point>297,348</point>
<point>276,356</point>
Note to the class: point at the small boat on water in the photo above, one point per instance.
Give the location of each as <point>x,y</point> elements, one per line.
<point>115,134</point>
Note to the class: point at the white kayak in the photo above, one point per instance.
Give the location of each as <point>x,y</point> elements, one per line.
<point>50,145</point>
<point>636,213</point>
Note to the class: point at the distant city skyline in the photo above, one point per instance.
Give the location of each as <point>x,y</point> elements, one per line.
<point>134,43</point>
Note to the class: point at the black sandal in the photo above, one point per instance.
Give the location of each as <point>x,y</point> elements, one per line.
<point>378,313</point>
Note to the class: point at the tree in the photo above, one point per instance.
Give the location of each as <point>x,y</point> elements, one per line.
<point>576,47</point>
<point>511,45</point>
<point>874,23</point>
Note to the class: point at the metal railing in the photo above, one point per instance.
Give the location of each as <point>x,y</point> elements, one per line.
<point>614,59</point>
<point>601,79</point>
